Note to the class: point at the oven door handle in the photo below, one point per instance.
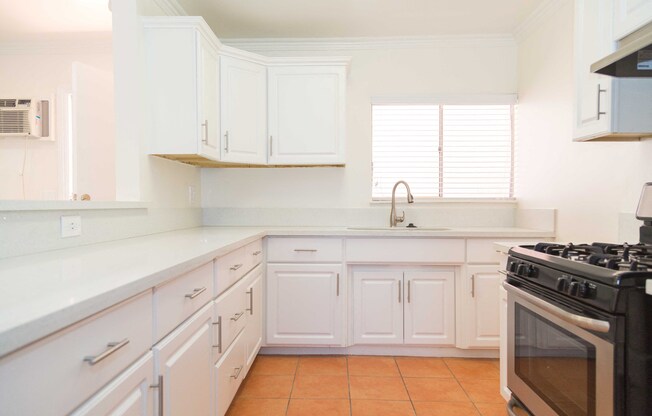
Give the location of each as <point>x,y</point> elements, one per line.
<point>578,320</point>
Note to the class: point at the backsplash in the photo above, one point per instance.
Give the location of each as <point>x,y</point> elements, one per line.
<point>27,232</point>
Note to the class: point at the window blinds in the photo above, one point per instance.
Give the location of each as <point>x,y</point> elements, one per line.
<point>443,151</point>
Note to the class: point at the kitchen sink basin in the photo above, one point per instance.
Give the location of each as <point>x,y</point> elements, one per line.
<point>387,228</point>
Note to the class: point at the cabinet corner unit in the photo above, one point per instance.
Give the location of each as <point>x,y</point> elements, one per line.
<point>605,108</point>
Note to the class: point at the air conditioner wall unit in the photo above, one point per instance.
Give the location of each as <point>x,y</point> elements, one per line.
<point>24,117</point>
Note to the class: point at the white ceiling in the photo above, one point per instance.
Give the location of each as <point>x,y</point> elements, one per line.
<point>359,18</point>
<point>30,19</point>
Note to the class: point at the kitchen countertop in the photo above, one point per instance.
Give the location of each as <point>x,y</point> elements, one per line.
<point>45,292</point>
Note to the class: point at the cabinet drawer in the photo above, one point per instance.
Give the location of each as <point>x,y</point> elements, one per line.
<point>312,250</point>
<point>177,300</point>
<point>56,375</point>
<point>230,268</point>
<point>229,373</point>
<point>254,253</point>
<point>230,316</point>
<point>405,250</point>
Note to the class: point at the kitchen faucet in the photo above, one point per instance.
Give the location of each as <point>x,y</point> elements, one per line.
<point>393,218</point>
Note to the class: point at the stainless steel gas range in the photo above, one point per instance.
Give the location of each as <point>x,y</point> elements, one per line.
<point>580,328</point>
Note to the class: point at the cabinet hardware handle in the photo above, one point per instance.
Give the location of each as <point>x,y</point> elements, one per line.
<point>473,285</point>
<point>338,285</point>
<point>113,347</point>
<point>305,250</point>
<point>196,292</point>
<point>600,113</point>
<point>226,137</point>
<point>236,267</point>
<point>399,291</point>
<point>219,334</point>
<point>237,372</point>
<point>159,386</point>
<point>205,126</point>
<point>255,253</point>
<point>250,292</point>
<point>271,138</point>
<point>237,316</point>
<point>409,291</point>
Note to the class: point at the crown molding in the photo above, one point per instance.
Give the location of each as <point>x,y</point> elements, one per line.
<point>261,45</point>
<point>171,7</point>
<point>538,17</point>
<point>102,44</point>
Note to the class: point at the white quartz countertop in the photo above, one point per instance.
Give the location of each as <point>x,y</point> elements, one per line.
<point>44,292</point>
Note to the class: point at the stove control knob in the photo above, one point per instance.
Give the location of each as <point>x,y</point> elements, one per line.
<point>562,284</point>
<point>521,270</point>
<point>574,288</point>
<point>531,271</point>
<point>584,290</point>
<point>513,266</point>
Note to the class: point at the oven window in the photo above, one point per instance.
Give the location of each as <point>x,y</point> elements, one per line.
<point>556,364</point>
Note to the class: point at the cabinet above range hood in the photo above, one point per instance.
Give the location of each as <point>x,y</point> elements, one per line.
<point>632,59</point>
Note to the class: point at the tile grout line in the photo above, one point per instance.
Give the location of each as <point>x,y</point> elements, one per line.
<point>414,409</point>
<point>294,377</point>
<point>348,382</point>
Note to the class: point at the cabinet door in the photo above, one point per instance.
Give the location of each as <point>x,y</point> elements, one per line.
<point>129,394</point>
<point>377,306</point>
<point>430,307</point>
<point>480,306</point>
<point>305,304</point>
<point>630,15</point>
<point>243,111</point>
<point>183,359</point>
<point>254,328</point>
<point>209,108</point>
<point>592,91</point>
<point>306,115</point>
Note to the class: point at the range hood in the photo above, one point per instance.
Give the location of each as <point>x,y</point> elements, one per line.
<point>633,59</point>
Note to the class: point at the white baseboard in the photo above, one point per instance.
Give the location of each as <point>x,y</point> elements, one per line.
<point>399,350</point>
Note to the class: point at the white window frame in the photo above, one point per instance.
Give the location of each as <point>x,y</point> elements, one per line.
<point>454,99</point>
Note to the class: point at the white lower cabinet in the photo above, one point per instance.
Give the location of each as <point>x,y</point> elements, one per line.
<point>228,374</point>
<point>305,304</point>
<point>395,306</point>
<point>478,307</point>
<point>183,367</point>
<point>254,310</point>
<point>130,393</point>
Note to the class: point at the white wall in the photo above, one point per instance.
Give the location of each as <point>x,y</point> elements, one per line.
<point>588,183</point>
<point>480,68</point>
<point>37,70</point>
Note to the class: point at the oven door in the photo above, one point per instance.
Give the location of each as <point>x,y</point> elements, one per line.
<point>556,364</point>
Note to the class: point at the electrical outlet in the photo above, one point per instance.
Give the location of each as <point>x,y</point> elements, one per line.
<point>70,226</point>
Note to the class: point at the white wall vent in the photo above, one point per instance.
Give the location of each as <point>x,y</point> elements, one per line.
<point>24,117</point>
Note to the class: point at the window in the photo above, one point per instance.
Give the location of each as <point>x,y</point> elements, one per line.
<point>443,151</point>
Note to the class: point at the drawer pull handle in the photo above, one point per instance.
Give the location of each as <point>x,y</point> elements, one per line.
<point>237,372</point>
<point>399,291</point>
<point>196,293</point>
<point>113,347</point>
<point>237,316</point>
<point>305,250</point>
<point>250,292</point>
<point>337,288</point>
<point>409,291</point>
<point>473,285</point>
<point>236,267</point>
<point>219,334</point>
<point>255,253</point>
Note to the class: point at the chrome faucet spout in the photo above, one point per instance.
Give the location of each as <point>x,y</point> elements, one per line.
<point>393,218</point>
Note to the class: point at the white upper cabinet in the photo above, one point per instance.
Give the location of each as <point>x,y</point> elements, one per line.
<point>182,83</point>
<point>630,15</point>
<point>605,107</point>
<point>243,111</point>
<point>307,114</point>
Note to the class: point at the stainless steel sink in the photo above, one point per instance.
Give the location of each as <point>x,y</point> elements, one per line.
<point>387,228</point>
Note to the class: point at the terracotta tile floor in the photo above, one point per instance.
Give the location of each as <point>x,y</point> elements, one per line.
<point>369,386</point>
